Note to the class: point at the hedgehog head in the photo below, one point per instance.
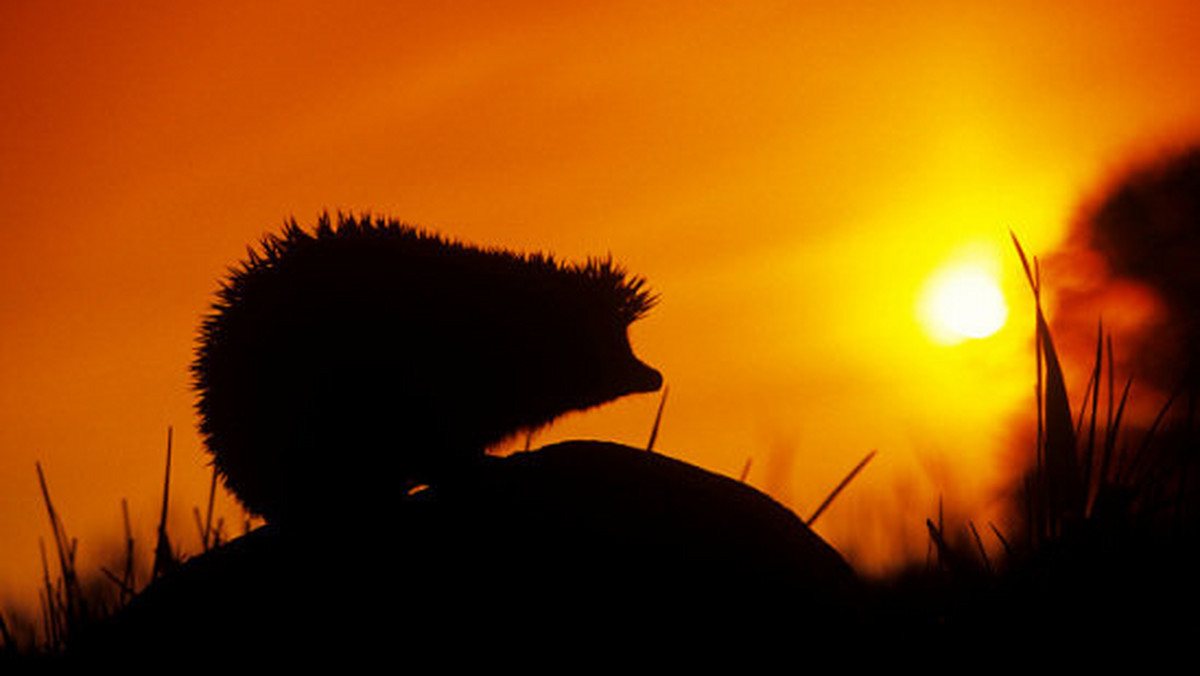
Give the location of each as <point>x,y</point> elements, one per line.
<point>366,355</point>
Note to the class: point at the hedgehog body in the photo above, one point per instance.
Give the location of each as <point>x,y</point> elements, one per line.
<point>362,355</point>
<point>347,362</point>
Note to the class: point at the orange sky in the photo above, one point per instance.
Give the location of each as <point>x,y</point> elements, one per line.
<point>787,175</point>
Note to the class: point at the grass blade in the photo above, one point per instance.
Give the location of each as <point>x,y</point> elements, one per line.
<point>658,419</point>
<point>130,576</point>
<point>987,563</point>
<point>72,607</point>
<point>56,526</point>
<point>845,482</point>
<point>939,543</point>
<point>1135,462</point>
<point>162,550</point>
<point>1064,494</point>
<point>1089,452</point>
<point>9,646</point>
<point>1003,540</point>
<point>1033,282</point>
<point>212,496</point>
<point>1110,440</point>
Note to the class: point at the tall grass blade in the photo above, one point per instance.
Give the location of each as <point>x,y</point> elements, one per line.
<point>72,606</point>
<point>1089,452</point>
<point>212,496</point>
<point>939,543</point>
<point>1003,540</point>
<point>1062,469</point>
<point>49,610</point>
<point>662,402</point>
<point>1036,490</point>
<point>9,646</point>
<point>987,563</point>
<point>200,528</point>
<point>129,577</point>
<point>1110,439</point>
<point>1143,450</point>
<point>55,525</point>
<point>844,482</point>
<point>1041,494</point>
<point>745,470</point>
<point>1064,495</point>
<point>1033,282</point>
<point>47,627</point>
<point>162,549</point>
<point>1111,374</point>
<point>1083,407</point>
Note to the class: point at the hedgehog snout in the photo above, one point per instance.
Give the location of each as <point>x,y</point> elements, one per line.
<point>643,378</point>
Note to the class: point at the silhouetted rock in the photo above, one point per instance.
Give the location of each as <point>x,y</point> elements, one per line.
<point>583,526</point>
<point>582,544</point>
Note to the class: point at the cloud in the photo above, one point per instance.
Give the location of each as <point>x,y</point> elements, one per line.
<point>1132,257</point>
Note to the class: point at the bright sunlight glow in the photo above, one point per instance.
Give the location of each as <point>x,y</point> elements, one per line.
<point>962,302</point>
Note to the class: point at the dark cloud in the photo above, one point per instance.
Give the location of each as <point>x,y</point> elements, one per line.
<point>1133,258</point>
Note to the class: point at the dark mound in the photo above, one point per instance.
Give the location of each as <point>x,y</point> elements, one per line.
<point>586,544</point>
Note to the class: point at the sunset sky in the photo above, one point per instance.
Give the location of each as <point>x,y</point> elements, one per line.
<point>787,175</point>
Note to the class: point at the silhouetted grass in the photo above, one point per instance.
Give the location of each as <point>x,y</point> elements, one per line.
<point>1105,537</point>
<point>70,600</point>
<point>1084,482</point>
<point>839,488</point>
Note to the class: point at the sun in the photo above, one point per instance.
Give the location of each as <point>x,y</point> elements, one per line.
<point>962,302</point>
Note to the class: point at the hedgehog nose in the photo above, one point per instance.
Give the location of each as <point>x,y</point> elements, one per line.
<point>644,378</point>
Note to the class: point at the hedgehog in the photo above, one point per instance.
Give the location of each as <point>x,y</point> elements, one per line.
<point>366,356</point>
<point>344,365</point>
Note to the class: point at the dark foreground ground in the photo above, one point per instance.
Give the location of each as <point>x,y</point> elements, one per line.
<point>589,548</point>
<point>583,543</point>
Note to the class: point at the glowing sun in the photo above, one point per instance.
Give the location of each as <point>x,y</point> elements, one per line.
<point>962,302</point>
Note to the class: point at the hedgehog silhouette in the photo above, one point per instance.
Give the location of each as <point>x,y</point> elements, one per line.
<point>367,355</point>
